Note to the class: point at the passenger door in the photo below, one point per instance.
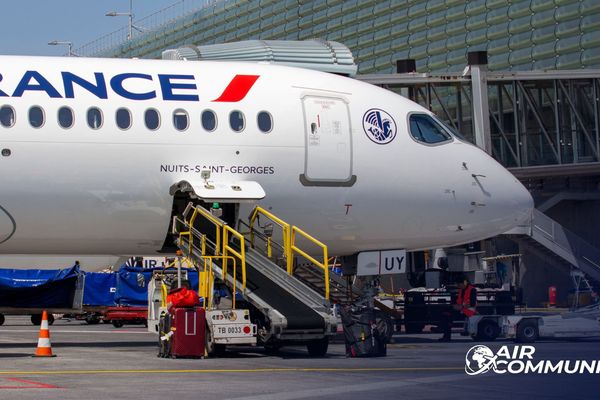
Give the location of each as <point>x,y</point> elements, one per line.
<point>328,138</point>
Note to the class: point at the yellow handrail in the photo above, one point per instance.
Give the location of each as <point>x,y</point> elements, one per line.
<point>208,260</point>
<point>163,294</point>
<point>216,222</point>
<point>286,232</point>
<point>185,260</point>
<point>323,264</point>
<point>241,254</point>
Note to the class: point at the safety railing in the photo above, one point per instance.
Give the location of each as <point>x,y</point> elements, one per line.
<point>241,255</point>
<point>217,223</point>
<point>289,235</point>
<point>322,264</point>
<point>222,249</point>
<point>285,233</point>
<point>207,284</point>
<point>163,294</point>
<point>184,262</point>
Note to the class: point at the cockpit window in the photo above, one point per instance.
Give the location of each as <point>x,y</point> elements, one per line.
<point>425,129</point>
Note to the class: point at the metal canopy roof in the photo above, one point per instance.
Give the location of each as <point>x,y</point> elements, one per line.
<point>320,55</point>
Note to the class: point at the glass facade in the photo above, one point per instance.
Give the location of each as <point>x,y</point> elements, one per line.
<point>518,35</point>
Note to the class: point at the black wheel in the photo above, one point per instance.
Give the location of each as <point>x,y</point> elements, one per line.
<point>117,323</point>
<point>92,319</point>
<point>2,319</point>
<point>36,319</point>
<point>413,327</point>
<point>318,347</point>
<point>487,331</point>
<point>50,319</point>
<point>527,331</point>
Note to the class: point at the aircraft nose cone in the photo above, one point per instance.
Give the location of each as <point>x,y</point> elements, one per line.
<point>511,201</point>
<point>508,203</point>
<point>522,203</point>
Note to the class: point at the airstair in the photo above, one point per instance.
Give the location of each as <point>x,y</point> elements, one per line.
<point>341,290</point>
<point>548,239</point>
<point>259,269</point>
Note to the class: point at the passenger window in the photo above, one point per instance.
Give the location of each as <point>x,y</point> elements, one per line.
<point>7,116</point>
<point>123,117</point>
<point>426,130</point>
<point>236,121</point>
<point>36,116</point>
<point>152,119</point>
<point>180,120</point>
<point>209,120</point>
<point>65,117</point>
<point>94,118</point>
<point>265,122</point>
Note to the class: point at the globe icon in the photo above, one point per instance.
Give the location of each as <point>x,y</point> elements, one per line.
<point>478,360</point>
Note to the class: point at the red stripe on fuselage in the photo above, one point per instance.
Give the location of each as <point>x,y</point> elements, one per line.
<point>237,89</point>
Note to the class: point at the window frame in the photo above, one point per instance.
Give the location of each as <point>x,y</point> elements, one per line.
<point>243,119</point>
<point>130,118</point>
<point>270,118</point>
<point>72,117</point>
<point>159,119</point>
<point>43,117</point>
<point>187,119</point>
<point>14,115</point>
<point>443,128</point>
<point>87,118</point>
<point>216,119</point>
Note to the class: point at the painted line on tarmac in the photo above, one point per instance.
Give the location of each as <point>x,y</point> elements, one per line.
<point>227,371</point>
<point>28,384</point>
<point>52,331</point>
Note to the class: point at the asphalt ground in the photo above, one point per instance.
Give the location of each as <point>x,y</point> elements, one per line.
<point>103,362</point>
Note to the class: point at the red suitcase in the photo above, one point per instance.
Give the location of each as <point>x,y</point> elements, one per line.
<point>188,326</point>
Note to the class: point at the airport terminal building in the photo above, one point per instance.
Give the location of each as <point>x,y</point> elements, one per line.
<point>534,103</point>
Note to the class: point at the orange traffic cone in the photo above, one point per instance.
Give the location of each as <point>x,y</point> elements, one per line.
<point>44,349</point>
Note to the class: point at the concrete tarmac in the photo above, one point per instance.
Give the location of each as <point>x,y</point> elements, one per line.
<point>103,362</point>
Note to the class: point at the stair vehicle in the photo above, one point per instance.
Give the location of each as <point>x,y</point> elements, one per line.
<point>258,267</point>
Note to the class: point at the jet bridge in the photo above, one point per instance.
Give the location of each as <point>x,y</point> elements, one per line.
<point>285,308</point>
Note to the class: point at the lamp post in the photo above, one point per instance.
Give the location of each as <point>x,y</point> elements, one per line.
<point>63,43</point>
<point>126,14</point>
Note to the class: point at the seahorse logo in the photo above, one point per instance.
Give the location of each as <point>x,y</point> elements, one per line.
<point>379,126</point>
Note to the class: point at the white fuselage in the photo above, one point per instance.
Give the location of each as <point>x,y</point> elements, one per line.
<point>106,190</point>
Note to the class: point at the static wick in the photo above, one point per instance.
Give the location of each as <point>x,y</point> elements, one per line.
<point>348,208</point>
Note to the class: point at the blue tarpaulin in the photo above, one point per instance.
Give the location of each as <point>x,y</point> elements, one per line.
<point>100,289</point>
<point>38,288</point>
<point>56,288</point>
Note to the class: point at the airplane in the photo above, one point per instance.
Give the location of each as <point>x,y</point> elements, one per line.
<point>97,155</point>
